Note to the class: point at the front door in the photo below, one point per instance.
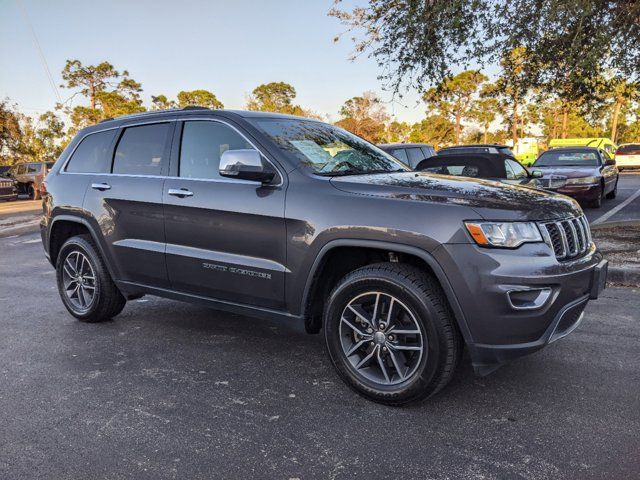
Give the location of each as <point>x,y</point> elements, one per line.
<point>225,237</point>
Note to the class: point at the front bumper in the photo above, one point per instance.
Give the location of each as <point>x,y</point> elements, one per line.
<point>497,330</point>
<point>583,193</point>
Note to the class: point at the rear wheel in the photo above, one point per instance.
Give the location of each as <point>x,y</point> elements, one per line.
<point>390,334</point>
<point>84,284</point>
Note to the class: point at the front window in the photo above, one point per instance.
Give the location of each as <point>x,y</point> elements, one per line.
<point>327,150</point>
<point>568,158</point>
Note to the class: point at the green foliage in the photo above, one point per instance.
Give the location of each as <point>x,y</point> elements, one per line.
<point>365,116</point>
<point>109,93</point>
<point>454,97</point>
<point>398,132</point>
<point>437,130</point>
<point>199,98</point>
<point>42,139</point>
<point>10,133</point>
<point>277,97</point>
<point>569,43</point>
<point>161,102</point>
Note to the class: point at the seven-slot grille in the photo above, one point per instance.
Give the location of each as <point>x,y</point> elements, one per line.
<point>570,238</point>
<point>5,184</point>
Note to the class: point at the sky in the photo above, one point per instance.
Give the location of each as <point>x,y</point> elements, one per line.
<point>227,47</point>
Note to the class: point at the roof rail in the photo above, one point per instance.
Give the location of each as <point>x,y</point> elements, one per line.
<point>194,107</point>
<point>154,112</point>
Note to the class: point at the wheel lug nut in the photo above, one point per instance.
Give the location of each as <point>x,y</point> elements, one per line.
<point>371,343</point>
<point>384,349</point>
<point>390,337</point>
<point>369,330</point>
<point>382,326</point>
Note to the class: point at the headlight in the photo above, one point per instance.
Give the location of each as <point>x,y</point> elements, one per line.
<point>503,234</point>
<point>581,180</point>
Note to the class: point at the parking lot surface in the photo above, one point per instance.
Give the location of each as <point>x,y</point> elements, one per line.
<point>171,390</point>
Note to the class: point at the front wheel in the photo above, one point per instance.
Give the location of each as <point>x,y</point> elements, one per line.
<point>84,284</point>
<point>614,193</point>
<point>390,334</point>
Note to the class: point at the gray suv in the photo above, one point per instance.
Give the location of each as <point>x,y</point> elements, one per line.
<point>279,216</point>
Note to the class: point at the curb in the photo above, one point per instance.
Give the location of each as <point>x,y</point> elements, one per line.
<point>20,229</point>
<point>624,276</point>
<point>621,223</point>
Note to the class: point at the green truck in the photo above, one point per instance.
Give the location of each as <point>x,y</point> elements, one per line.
<point>602,143</point>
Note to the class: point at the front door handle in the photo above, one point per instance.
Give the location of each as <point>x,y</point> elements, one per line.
<point>101,186</point>
<point>182,192</point>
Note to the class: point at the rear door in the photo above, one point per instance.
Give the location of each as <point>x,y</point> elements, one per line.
<point>609,172</point>
<point>225,237</point>
<point>126,202</point>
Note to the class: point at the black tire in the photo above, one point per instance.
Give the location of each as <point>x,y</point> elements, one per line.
<point>107,301</point>
<point>421,295</point>
<point>597,203</point>
<point>612,194</point>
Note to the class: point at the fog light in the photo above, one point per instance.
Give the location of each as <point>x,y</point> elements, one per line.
<point>528,299</point>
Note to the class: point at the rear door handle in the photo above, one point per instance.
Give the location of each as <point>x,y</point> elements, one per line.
<point>182,192</point>
<point>101,186</point>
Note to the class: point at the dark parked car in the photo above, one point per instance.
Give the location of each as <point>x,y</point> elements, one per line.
<point>487,166</point>
<point>479,148</point>
<point>409,153</point>
<point>260,214</point>
<point>584,173</point>
<point>30,177</point>
<point>8,186</point>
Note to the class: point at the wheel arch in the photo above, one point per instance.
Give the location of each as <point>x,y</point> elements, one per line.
<point>314,287</point>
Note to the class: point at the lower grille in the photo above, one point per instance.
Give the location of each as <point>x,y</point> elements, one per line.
<point>570,238</point>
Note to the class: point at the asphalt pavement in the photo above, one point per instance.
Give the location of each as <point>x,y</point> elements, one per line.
<point>625,207</point>
<point>170,391</point>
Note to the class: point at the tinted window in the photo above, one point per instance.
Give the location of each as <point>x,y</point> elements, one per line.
<point>400,154</point>
<point>92,155</point>
<point>517,170</point>
<point>415,156</point>
<point>140,150</point>
<point>20,169</point>
<point>631,149</point>
<point>203,143</point>
<point>33,168</point>
<point>506,151</point>
<point>428,152</point>
<point>463,166</point>
<point>568,158</point>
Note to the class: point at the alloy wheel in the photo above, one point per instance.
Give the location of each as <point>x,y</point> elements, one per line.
<point>381,338</point>
<point>79,280</point>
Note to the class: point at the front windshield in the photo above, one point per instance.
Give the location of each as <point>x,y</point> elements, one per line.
<point>567,158</point>
<point>327,150</point>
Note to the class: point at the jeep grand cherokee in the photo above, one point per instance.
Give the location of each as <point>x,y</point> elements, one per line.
<point>271,215</point>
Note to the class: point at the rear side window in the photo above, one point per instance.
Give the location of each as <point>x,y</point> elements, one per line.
<point>203,143</point>
<point>141,150</point>
<point>415,156</point>
<point>428,152</point>
<point>401,154</point>
<point>92,155</point>
<point>33,168</point>
<point>631,149</point>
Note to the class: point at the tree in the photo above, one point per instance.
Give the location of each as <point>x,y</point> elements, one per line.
<point>109,92</point>
<point>161,102</point>
<point>277,97</point>
<point>398,132</point>
<point>484,111</point>
<point>418,41</point>
<point>437,130</point>
<point>10,133</point>
<point>622,93</point>
<point>42,138</point>
<point>454,97</point>
<point>364,116</point>
<point>200,98</point>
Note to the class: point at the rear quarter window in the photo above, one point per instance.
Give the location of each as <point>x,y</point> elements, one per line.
<point>92,154</point>
<point>400,154</point>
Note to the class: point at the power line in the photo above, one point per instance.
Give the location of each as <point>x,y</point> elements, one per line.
<point>37,44</point>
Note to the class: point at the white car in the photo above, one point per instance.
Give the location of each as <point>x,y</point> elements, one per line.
<point>628,156</point>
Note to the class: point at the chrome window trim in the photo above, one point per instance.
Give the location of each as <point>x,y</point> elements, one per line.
<point>63,171</point>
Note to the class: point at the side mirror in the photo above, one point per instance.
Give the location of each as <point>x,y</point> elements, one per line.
<point>536,174</point>
<point>609,162</point>
<point>244,164</point>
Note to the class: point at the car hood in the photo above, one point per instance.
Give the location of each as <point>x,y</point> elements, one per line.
<point>569,172</point>
<point>491,200</point>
